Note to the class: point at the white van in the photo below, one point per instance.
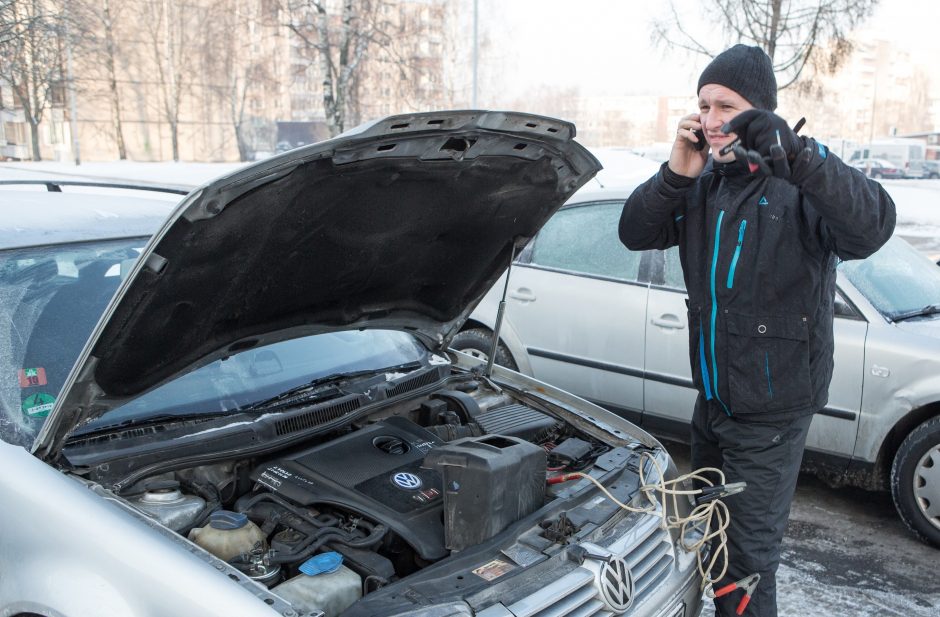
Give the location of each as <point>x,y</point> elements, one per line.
<point>899,150</point>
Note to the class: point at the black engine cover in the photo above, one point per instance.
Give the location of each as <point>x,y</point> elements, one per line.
<point>375,471</point>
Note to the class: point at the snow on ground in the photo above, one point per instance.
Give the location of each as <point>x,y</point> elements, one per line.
<point>799,592</point>
<point>918,206</point>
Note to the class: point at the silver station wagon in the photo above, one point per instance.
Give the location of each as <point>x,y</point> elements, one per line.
<point>610,325</point>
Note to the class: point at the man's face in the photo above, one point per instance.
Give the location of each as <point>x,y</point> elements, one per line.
<point>716,105</point>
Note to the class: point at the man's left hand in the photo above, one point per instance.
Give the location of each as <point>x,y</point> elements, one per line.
<point>759,129</point>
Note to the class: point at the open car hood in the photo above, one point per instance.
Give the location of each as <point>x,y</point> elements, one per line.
<point>403,223</point>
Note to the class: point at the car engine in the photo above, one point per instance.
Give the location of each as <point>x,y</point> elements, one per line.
<point>421,477</point>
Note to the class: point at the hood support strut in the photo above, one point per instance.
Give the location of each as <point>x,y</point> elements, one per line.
<point>494,344</point>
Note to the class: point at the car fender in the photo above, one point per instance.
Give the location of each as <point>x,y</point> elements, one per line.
<point>68,550</point>
<point>882,414</point>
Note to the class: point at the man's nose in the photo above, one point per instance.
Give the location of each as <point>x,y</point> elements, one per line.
<point>714,121</point>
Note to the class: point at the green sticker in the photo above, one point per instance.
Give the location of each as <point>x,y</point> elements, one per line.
<point>38,405</point>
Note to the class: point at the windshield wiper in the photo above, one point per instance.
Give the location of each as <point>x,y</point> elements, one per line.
<point>930,309</point>
<point>322,387</point>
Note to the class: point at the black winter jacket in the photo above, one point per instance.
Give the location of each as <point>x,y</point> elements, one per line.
<point>759,257</point>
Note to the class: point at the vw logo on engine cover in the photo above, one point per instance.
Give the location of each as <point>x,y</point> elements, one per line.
<point>407,481</point>
<point>616,585</point>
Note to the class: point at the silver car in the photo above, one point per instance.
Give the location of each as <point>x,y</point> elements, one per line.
<point>266,418</point>
<point>610,325</point>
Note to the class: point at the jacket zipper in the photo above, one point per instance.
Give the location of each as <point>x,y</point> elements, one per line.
<point>737,253</point>
<point>721,215</point>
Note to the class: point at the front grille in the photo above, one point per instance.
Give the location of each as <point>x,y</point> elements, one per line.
<point>650,560</point>
<point>647,550</point>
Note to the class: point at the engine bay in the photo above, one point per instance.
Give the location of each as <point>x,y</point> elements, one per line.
<point>387,490</point>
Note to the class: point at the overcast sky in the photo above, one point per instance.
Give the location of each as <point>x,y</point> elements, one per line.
<point>603,46</point>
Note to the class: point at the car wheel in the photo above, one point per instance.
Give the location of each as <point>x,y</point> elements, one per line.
<point>477,342</point>
<point>915,481</point>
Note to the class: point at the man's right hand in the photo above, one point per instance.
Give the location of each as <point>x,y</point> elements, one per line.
<point>685,159</point>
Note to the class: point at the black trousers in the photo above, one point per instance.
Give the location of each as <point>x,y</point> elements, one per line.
<point>766,455</point>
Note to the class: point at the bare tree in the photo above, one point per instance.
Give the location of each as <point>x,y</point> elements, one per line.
<point>340,37</point>
<point>11,20</point>
<point>239,69</point>
<point>175,30</point>
<point>97,26</point>
<point>794,33</point>
<point>31,52</point>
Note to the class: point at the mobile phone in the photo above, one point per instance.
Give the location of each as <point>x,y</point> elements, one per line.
<point>700,135</point>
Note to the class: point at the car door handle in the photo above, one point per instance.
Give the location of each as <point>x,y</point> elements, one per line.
<point>668,320</point>
<point>523,294</point>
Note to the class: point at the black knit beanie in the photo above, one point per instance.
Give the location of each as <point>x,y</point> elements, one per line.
<point>746,70</point>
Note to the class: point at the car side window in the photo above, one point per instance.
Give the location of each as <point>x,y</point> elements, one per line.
<point>672,272</point>
<point>842,308</point>
<point>584,239</point>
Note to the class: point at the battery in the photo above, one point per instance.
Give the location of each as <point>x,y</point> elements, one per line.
<point>489,482</point>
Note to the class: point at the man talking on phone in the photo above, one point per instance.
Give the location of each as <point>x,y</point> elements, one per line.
<point>761,216</point>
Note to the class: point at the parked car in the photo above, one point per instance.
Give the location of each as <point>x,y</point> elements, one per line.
<point>879,168</point>
<point>255,410</point>
<point>925,169</point>
<point>611,325</point>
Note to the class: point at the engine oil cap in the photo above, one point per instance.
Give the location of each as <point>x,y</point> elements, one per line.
<point>324,563</point>
<point>224,519</point>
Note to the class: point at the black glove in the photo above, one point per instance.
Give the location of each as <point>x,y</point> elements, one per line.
<point>759,129</point>
<point>765,143</point>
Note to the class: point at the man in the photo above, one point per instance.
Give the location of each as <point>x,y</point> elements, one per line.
<point>760,228</point>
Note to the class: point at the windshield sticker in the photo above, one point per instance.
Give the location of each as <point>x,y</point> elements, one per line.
<point>494,569</point>
<point>38,405</point>
<point>32,377</point>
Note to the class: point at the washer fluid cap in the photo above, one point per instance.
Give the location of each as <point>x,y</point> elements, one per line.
<point>324,563</point>
<point>224,519</point>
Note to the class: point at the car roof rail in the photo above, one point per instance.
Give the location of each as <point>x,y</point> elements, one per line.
<point>55,186</point>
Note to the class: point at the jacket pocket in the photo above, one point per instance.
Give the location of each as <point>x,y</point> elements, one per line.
<point>768,363</point>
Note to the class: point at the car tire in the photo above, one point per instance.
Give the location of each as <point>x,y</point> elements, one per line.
<point>915,481</point>
<point>477,341</point>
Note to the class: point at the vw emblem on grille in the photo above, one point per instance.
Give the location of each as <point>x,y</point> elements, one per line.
<point>407,481</point>
<point>616,584</point>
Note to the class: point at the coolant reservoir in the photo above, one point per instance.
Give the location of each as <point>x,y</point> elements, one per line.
<point>324,584</point>
<point>228,535</point>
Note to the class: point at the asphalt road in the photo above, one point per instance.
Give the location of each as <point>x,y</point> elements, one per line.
<point>846,553</point>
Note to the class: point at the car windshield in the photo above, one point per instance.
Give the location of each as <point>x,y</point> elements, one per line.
<point>52,297</point>
<point>255,375</point>
<point>898,280</point>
